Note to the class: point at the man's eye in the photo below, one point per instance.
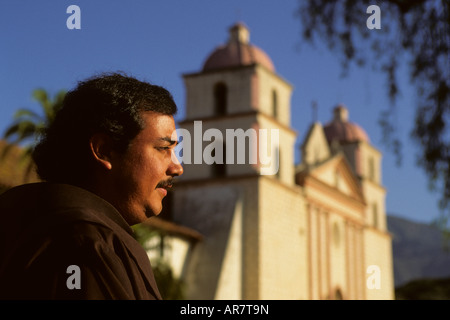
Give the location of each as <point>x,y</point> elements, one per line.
<point>163,148</point>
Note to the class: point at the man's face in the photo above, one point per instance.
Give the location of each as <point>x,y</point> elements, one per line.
<point>142,175</point>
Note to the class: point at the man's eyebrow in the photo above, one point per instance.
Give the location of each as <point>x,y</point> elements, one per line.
<point>169,140</point>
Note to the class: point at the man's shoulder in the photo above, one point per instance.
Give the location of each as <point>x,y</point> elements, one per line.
<point>65,216</point>
<point>88,234</point>
<point>42,263</point>
<point>47,204</point>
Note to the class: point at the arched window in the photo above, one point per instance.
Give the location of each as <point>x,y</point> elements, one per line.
<point>274,104</point>
<point>375,214</point>
<point>220,98</point>
<point>219,169</point>
<point>278,164</point>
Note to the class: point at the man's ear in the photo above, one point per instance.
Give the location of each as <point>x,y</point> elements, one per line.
<point>101,149</point>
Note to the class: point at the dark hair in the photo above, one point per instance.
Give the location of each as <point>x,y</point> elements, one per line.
<point>109,103</point>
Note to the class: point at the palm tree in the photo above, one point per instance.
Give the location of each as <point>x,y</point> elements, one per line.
<point>28,124</point>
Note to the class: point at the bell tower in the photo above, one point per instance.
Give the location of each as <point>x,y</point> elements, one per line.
<point>348,137</point>
<point>237,107</point>
<point>238,93</point>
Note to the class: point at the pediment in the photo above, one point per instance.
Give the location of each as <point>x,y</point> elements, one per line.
<point>336,173</point>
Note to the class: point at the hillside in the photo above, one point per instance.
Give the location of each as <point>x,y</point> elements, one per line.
<point>420,251</point>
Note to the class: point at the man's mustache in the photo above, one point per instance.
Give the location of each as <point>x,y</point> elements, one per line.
<point>166,184</point>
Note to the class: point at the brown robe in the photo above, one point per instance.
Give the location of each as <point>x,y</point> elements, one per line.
<point>46,227</point>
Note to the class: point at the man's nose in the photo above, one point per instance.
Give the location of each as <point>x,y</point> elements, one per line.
<point>175,168</point>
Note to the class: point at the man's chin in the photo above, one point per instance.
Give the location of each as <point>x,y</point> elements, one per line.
<point>153,212</point>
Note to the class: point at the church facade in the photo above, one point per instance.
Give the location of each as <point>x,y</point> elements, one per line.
<point>312,230</point>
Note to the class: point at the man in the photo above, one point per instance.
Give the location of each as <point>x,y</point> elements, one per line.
<point>107,160</point>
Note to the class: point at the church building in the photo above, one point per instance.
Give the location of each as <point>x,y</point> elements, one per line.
<point>311,230</point>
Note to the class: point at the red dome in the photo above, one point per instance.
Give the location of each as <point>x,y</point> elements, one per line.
<point>342,130</point>
<point>237,52</point>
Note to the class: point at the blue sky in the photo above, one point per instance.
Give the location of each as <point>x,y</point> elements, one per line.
<point>160,40</point>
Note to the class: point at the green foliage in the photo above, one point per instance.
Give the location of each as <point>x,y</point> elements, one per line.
<point>27,124</point>
<point>143,234</point>
<point>424,289</point>
<point>169,286</point>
